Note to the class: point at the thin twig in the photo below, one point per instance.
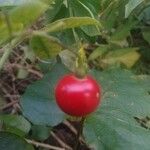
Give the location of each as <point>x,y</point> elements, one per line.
<point>12,96</point>
<point>40,75</point>
<point>70,126</point>
<point>5,91</point>
<point>4,84</point>
<point>8,48</point>
<point>9,105</point>
<point>64,145</point>
<point>29,69</point>
<point>43,145</point>
<point>13,102</point>
<point>73,129</point>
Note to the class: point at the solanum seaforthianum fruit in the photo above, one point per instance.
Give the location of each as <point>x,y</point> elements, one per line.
<point>77,96</point>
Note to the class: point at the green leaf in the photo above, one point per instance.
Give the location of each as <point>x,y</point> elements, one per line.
<point>20,17</point>
<point>146,34</point>
<point>40,132</point>
<point>109,15</point>
<point>68,23</point>
<point>98,52</point>
<point>15,124</point>
<point>45,46</point>
<point>115,131</point>
<point>22,13</point>
<point>112,13</point>
<point>125,56</point>
<point>145,15</point>
<point>38,103</point>
<point>80,9</point>
<point>10,141</point>
<point>5,36</point>
<point>51,14</point>
<point>68,58</point>
<point>125,91</point>
<point>94,6</point>
<point>4,28</point>
<point>105,3</point>
<point>64,10</point>
<point>123,30</point>
<point>113,126</point>
<point>66,37</point>
<point>132,4</point>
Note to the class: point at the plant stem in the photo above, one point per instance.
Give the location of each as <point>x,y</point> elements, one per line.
<point>72,15</point>
<point>7,51</point>
<point>4,57</point>
<point>43,145</point>
<point>79,133</point>
<point>8,48</point>
<point>81,63</point>
<point>61,143</point>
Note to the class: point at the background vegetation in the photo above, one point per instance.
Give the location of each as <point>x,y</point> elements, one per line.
<point>39,41</point>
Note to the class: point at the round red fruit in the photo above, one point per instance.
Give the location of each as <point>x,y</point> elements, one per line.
<point>78,97</point>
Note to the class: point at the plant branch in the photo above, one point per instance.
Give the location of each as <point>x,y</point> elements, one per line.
<point>73,129</point>
<point>43,145</point>
<point>4,57</point>
<point>9,105</point>
<point>67,147</point>
<point>8,48</point>
<point>28,68</point>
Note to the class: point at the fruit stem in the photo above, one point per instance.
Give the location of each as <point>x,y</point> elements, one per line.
<point>81,63</point>
<point>79,133</point>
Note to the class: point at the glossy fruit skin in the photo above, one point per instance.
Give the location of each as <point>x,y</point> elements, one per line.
<point>77,97</point>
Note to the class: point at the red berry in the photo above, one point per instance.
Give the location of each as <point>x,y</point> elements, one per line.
<point>77,97</point>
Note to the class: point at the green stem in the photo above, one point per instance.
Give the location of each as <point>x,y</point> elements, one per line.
<point>81,63</point>
<point>4,57</point>
<point>90,12</point>
<point>72,15</point>
<point>8,48</point>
